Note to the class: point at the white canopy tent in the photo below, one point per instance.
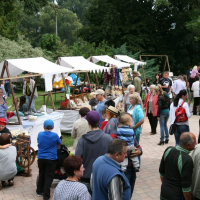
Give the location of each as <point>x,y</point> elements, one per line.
<point>80,63</point>
<point>109,60</point>
<point>128,59</point>
<point>36,65</point>
<point>14,67</point>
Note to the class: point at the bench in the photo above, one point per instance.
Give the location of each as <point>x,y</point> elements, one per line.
<point>46,94</point>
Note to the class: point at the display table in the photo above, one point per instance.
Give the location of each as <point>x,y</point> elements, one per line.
<point>35,127</point>
<point>70,116</point>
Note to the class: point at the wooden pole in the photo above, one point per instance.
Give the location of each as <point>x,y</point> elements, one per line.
<point>12,91</point>
<point>50,95</point>
<point>164,64</point>
<point>32,95</point>
<point>15,77</point>
<point>95,73</point>
<point>88,81</point>
<point>168,63</point>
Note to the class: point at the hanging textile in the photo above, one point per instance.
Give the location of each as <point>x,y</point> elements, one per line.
<point>116,77</point>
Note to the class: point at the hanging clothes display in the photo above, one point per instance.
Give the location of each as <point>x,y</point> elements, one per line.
<point>116,77</point>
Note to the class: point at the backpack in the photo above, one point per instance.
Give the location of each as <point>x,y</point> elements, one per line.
<point>180,114</point>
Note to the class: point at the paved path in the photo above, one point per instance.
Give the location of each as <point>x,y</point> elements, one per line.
<point>148,181</point>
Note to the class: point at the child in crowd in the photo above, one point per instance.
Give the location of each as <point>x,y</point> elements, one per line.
<point>105,117</point>
<point>23,107</point>
<point>126,133</point>
<point>93,101</point>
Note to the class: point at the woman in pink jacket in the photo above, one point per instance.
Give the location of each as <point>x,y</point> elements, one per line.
<point>151,106</point>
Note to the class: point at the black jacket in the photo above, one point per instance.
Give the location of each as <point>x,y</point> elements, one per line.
<point>163,103</point>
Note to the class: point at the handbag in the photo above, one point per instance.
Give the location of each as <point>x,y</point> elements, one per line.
<point>172,128</point>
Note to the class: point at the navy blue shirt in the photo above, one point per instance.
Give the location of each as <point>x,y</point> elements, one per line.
<point>163,82</point>
<point>47,145</point>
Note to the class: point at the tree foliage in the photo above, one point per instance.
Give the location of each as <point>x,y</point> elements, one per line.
<point>34,26</point>
<point>162,27</point>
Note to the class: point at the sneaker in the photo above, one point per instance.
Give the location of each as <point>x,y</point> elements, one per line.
<point>39,195</point>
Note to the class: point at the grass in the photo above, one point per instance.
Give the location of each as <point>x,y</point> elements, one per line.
<point>67,140</point>
<point>39,100</point>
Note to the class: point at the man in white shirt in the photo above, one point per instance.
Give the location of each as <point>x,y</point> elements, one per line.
<point>178,85</point>
<point>196,94</point>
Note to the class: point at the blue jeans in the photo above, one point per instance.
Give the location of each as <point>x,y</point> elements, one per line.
<point>28,99</point>
<point>138,140</point>
<point>163,126</point>
<point>180,129</point>
<point>131,176</point>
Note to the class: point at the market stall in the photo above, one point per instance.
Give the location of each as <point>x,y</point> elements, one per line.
<point>79,96</point>
<point>119,73</point>
<point>14,67</point>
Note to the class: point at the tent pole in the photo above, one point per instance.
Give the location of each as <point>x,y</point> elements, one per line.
<point>168,63</point>
<point>12,91</point>
<point>32,95</point>
<point>96,79</point>
<point>88,81</point>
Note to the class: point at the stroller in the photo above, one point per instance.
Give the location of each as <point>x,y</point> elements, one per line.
<point>62,153</point>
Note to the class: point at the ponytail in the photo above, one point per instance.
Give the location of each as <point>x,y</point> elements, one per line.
<point>178,96</point>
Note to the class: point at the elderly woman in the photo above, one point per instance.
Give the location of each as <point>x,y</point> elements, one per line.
<point>113,122</point>
<point>71,188</point>
<point>3,106</point>
<point>136,112</point>
<point>151,106</point>
<point>126,102</point>
<point>80,127</point>
<point>7,161</point>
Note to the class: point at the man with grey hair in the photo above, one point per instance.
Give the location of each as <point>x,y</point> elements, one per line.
<point>176,169</point>
<point>108,180</point>
<point>178,85</point>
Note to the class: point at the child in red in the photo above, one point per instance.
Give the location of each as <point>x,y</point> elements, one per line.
<point>104,116</point>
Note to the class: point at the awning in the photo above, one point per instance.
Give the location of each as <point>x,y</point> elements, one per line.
<point>36,65</point>
<point>80,63</point>
<point>128,59</point>
<point>109,60</point>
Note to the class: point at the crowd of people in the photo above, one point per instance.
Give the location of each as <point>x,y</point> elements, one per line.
<point>107,150</point>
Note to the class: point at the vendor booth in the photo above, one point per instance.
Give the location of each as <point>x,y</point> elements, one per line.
<point>41,66</point>
<point>119,73</point>
<point>79,88</point>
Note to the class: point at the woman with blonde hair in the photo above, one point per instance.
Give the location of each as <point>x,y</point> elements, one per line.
<point>126,102</point>
<point>137,114</point>
<point>163,114</point>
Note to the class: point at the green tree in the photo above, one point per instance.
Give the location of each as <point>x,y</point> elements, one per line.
<point>76,6</point>
<point>151,27</point>
<point>34,26</point>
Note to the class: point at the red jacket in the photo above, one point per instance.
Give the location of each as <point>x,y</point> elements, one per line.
<point>154,104</point>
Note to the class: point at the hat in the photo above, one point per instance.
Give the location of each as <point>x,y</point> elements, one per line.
<point>2,121</point>
<point>48,124</point>
<point>113,110</point>
<point>99,91</point>
<point>136,73</point>
<point>93,102</point>
<point>92,117</point>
